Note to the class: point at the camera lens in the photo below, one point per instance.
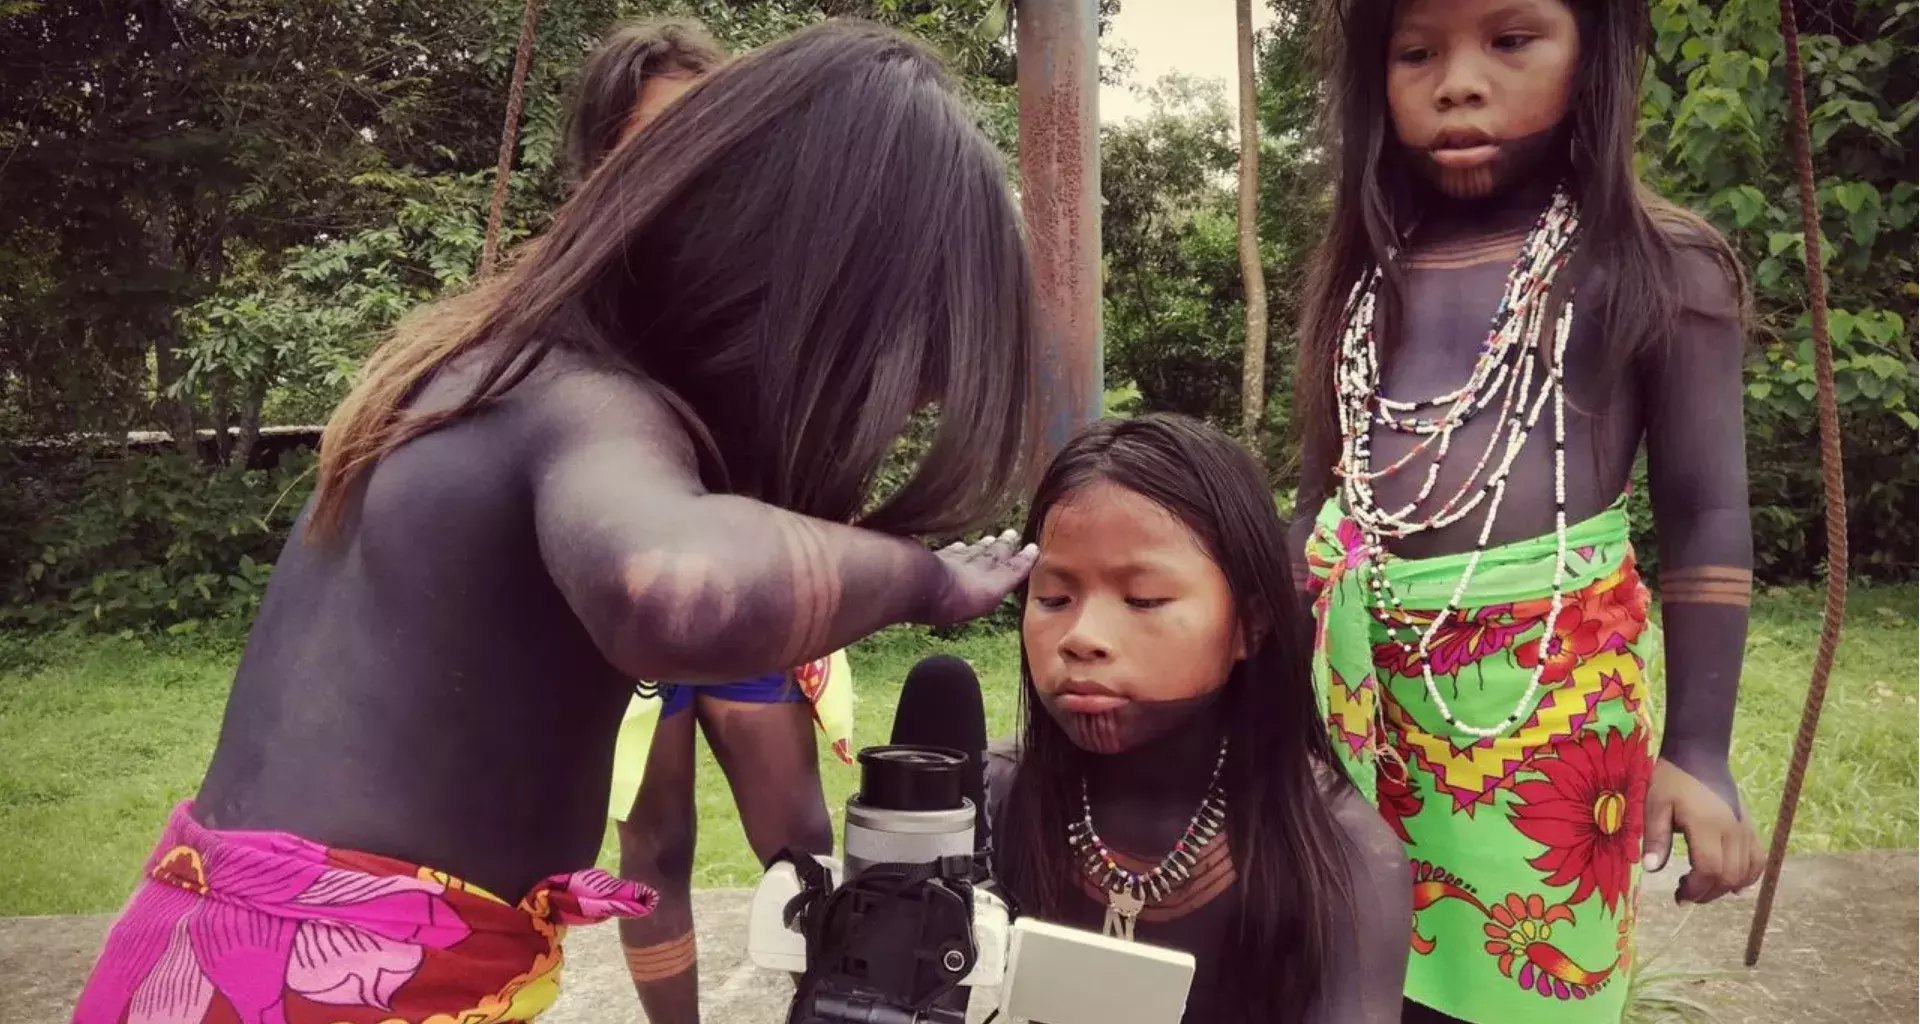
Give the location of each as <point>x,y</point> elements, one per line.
<point>913,756</point>
<point>911,778</point>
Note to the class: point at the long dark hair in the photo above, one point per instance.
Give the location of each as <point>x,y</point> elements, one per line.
<point>1280,770</point>
<point>617,73</point>
<point>1625,228</point>
<point>816,242</point>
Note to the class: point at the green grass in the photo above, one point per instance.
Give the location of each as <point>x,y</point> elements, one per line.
<point>102,735</point>
<point>1661,994</point>
<point>1860,791</point>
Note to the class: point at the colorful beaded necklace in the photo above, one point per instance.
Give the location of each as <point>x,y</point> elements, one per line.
<point>1508,371</point>
<point>1128,892</point>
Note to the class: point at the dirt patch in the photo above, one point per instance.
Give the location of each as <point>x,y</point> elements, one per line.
<point>1841,948</point>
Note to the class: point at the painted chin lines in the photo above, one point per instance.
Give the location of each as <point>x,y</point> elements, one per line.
<point>1466,182</point>
<point>1103,733</point>
<point>1510,161</point>
<point>1473,173</point>
<point>1129,726</point>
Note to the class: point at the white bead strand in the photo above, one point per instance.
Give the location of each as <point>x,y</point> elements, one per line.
<point>1506,372</point>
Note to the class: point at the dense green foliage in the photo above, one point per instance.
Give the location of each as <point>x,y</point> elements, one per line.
<point>1714,130</point>
<point>227,204</point>
<point>215,210</point>
<point>1175,302</point>
<point>156,541</point>
<point>170,156</point>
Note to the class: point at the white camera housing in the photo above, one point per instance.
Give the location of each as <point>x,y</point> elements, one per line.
<point>1033,971</point>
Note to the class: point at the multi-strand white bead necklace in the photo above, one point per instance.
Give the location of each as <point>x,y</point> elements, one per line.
<point>1509,372</point>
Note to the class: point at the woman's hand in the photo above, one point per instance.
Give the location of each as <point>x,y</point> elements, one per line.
<point>1723,854</point>
<point>979,576</point>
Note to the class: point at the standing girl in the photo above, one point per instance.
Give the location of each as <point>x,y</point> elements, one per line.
<point>1172,782</point>
<point>1500,317</point>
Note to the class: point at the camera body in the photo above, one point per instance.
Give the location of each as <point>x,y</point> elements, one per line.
<point>902,934</point>
<point>893,938</point>
<point>884,966</point>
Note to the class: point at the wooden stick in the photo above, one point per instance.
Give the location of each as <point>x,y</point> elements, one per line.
<point>1830,465</point>
<point>509,135</point>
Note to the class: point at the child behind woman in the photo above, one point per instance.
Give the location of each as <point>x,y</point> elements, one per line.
<point>761,730</point>
<point>1173,783</point>
<point>633,75</point>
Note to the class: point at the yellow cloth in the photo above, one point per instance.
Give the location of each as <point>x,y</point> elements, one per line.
<point>828,684</point>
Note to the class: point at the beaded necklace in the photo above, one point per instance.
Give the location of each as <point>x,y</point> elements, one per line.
<point>1128,893</point>
<point>1508,371</point>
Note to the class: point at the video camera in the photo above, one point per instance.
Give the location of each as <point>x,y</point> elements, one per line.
<point>909,926</point>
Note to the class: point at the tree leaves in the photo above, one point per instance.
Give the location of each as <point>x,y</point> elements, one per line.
<point>1748,204</point>
<point>161,155</point>
<point>1714,137</point>
<point>1861,202</point>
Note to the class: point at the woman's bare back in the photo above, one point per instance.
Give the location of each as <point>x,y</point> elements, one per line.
<point>422,689</point>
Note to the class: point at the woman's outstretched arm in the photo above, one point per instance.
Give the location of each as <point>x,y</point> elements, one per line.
<point>673,582</point>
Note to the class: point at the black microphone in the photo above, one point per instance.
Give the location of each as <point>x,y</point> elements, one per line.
<point>940,706</point>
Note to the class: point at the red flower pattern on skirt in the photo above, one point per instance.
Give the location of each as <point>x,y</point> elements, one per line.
<point>1397,799</point>
<point>1589,809</point>
<point>1576,637</point>
<point>1466,637</point>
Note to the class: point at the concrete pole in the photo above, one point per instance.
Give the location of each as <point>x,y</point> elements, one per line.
<point>1059,56</point>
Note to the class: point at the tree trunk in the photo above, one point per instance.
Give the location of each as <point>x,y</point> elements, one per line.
<point>250,407</point>
<point>222,401</point>
<point>162,331</point>
<point>1253,375</point>
<point>509,134</point>
<point>175,415</point>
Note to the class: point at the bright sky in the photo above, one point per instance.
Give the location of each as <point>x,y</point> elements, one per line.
<point>1195,37</point>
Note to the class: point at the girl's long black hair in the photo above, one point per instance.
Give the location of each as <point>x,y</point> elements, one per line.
<point>1280,770</point>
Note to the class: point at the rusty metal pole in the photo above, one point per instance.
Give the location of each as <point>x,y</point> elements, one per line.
<point>1059,55</point>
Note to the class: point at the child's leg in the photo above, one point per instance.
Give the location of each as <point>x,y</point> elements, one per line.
<point>767,751</point>
<point>656,847</point>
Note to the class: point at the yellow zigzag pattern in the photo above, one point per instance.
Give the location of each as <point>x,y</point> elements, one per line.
<point>1472,773</point>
